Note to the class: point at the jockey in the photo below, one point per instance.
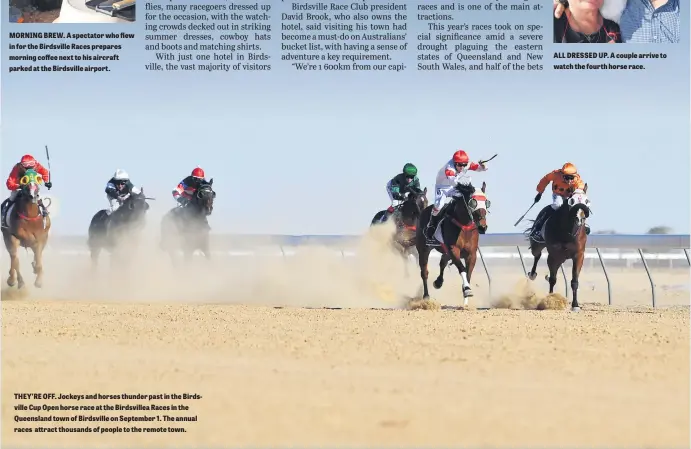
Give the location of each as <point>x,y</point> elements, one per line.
<point>184,192</point>
<point>400,184</point>
<point>118,189</point>
<point>564,181</point>
<point>453,172</point>
<point>27,163</point>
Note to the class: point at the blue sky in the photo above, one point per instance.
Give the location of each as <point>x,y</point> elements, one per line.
<point>310,153</point>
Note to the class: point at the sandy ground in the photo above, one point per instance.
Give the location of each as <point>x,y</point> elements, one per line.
<point>606,377</point>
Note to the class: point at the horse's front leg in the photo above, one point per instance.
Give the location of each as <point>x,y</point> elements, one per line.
<point>536,249</point>
<point>423,260</point>
<point>95,252</point>
<point>470,261</point>
<point>406,261</point>
<point>575,273</point>
<point>13,246</point>
<point>38,264</point>
<point>462,270</point>
<point>443,262</point>
<point>553,264</point>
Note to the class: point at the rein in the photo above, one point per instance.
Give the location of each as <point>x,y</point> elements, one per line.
<point>26,218</point>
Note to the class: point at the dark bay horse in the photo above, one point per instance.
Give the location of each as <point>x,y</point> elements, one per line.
<point>460,226</point>
<point>27,228</point>
<point>120,228</point>
<point>406,217</point>
<point>565,238</point>
<point>187,228</point>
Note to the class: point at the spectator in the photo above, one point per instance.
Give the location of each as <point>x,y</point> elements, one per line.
<point>641,21</point>
<point>583,24</point>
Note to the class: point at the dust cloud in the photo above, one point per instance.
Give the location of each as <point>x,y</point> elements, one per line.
<point>525,297</point>
<point>315,276</point>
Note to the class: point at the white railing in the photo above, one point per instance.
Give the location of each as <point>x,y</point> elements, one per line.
<point>639,243</point>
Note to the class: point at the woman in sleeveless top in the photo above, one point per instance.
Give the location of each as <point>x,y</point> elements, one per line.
<point>582,23</point>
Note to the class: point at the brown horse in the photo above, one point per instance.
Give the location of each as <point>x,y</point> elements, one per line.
<point>460,227</point>
<point>564,237</point>
<point>27,227</point>
<point>406,218</point>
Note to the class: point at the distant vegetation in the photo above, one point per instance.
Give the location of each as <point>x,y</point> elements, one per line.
<point>659,230</point>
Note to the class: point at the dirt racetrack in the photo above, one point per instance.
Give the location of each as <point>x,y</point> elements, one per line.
<point>287,377</point>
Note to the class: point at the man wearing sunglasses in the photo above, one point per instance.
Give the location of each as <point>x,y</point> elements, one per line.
<point>564,181</point>
<point>454,172</point>
<point>397,186</point>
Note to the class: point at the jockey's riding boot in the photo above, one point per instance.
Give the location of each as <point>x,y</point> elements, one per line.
<point>587,229</point>
<point>537,224</point>
<point>432,226</point>
<point>3,212</point>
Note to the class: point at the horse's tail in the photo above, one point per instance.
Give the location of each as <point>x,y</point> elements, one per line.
<point>527,232</point>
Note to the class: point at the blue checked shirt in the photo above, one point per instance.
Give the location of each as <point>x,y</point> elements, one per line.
<point>640,23</point>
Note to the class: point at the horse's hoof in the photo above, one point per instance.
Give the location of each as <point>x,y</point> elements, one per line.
<point>20,285</point>
<point>10,282</point>
<point>467,293</point>
<point>532,276</point>
<point>438,283</point>
<point>575,309</point>
<point>38,284</point>
<point>547,277</point>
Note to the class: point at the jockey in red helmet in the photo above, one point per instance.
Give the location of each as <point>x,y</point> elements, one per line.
<point>454,172</point>
<point>26,163</point>
<point>184,192</point>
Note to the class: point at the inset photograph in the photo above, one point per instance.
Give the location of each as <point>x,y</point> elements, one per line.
<point>616,21</point>
<point>72,11</point>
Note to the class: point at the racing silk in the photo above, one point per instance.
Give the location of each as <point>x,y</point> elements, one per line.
<point>188,187</point>
<point>18,172</point>
<point>114,193</point>
<point>399,185</point>
<point>448,176</point>
<point>559,186</point>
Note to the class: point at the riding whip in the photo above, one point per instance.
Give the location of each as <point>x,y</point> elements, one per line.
<point>48,159</point>
<point>484,162</point>
<point>526,213</point>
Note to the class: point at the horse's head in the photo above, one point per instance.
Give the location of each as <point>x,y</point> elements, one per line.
<point>30,185</point>
<point>578,206</point>
<point>477,207</point>
<point>204,198</point>
<point>412,206</point>
<point>136,205</point>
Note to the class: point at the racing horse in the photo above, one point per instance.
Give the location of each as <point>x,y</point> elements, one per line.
<point>187,228</point>
<point>112,232</point>
<point>460,227</point>
<point>564,237</point>
<point>406,217</point>
<point>27,227</point>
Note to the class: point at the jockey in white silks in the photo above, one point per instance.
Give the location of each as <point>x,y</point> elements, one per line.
<point>455,171</point>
